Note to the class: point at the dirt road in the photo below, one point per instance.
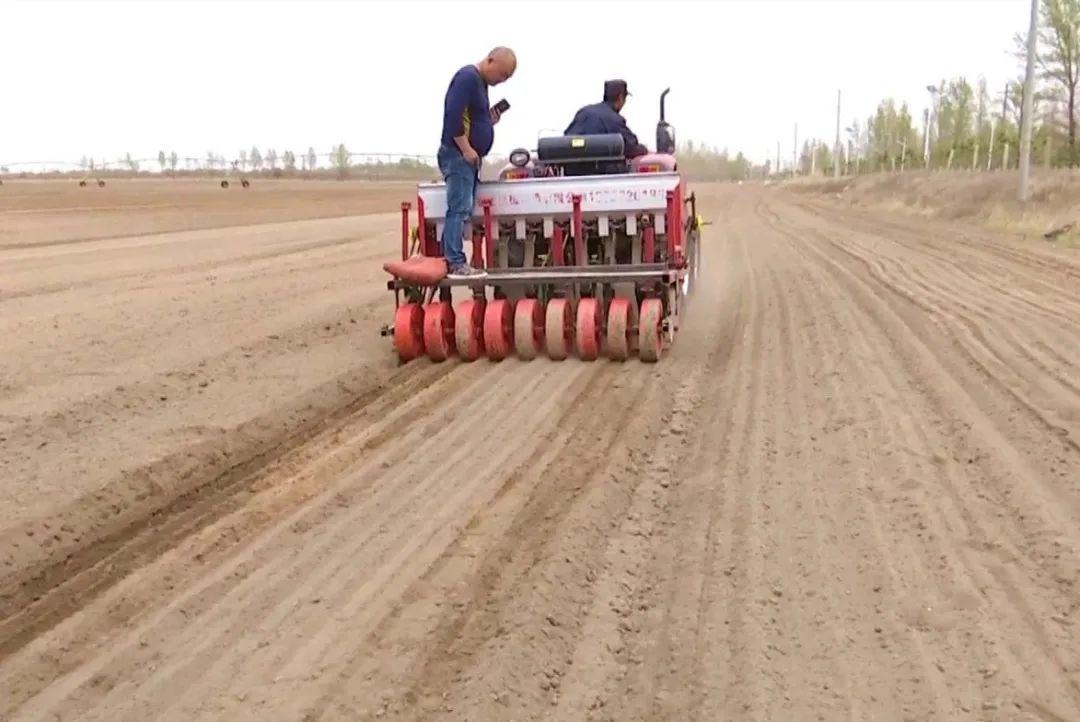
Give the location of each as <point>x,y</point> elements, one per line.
<point>851,491</point>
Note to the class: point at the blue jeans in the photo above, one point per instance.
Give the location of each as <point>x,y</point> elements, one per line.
<point>461,180</point>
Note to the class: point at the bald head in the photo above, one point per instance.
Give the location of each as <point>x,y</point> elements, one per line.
<point>498,66</point>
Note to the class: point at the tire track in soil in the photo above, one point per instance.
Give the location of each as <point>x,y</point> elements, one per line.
<point>887,567</point>
<point>468,613</point>
<point>627,656</point>
<point>250,260</point>
<point>965,523</point>
<point>789,605</point>
<point>976,348</point>
<point>38,595</point>
<point>52,594</point>
<point>686,561</point>
<point>347,586</point>
<point>556,438</point>
<point>1027,313</point>
<point>690,635</point>
<point>971,269</point>
<point>814,508</point>
<point>724,608</point>
<point>207,598</point>
<point>496,614</point>
<point>1007,255</point>
<point>798,623</point>
<point>512,595</point>
<point>737,589</point>
<point>755,681</point>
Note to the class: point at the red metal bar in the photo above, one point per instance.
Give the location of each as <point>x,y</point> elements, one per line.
<point>648,246</point>
<point>427,246</point>
<point>680,245</point>
<point>558,247</point>
<point>489,235</point>
<point>477,253</point>
<point>405,206</point>
<point>579,237</point>
<point>671,227</point>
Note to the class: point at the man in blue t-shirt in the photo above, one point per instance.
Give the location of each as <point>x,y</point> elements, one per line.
<point>467,135</point>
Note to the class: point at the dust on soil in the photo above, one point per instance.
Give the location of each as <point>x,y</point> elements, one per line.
<point>849,491</point>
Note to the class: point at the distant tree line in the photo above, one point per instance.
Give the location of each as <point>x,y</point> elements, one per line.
<point>340,163</point>
<point>705,163</point>
<point>967,125</point>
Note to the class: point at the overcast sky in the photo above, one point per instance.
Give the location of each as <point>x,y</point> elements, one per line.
<point>102,79</point>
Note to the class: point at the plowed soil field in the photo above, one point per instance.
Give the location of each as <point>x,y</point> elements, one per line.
<point>850,490</point>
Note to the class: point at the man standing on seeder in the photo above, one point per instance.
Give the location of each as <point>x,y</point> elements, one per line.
<point>467,136</point>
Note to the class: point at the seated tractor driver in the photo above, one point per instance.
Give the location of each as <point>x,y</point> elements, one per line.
<point>604,117</point>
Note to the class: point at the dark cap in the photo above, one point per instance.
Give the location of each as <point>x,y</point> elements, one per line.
<point>612,89</point>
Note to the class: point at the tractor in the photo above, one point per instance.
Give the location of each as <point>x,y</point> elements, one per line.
<point>586,254</point>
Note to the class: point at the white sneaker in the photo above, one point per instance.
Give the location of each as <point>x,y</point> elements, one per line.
<point>466,271</point>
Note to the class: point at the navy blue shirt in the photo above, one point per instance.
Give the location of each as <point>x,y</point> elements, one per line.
<point>603,118</point>
<point>466,111</point>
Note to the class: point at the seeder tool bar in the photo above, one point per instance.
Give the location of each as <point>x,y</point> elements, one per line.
<point>566,274</point>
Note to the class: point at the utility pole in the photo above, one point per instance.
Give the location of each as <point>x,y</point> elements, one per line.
<point>1025,120</point>
<point>931,114</point>
<point>795,153</point>
<point>837,148</point>
<point>926,138</point>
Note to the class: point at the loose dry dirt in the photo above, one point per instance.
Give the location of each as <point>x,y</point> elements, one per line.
<point>850,491</point>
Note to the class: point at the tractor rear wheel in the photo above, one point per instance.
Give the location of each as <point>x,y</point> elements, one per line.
<point>499,329</point>
<point>439,330</point>
<point>559,328</point>
<point>651,330</point>
<point>528,328</point>
<point>619,329</point>
<point>588,329</point>
<point>409,332</point>
<point>469,329</point>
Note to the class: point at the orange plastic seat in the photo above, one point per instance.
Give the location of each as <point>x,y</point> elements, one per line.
<point>421,270</point>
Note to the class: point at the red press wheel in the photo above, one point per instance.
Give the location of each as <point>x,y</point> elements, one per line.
<point>619,329</point>
<point>528,328</point>
<point>409,331</point>
<point>439,330</point>
<point>651,331</point>
<point>499,329</point>
<point>468,329</point>
<point>588,329</point>
<point>559,328</point>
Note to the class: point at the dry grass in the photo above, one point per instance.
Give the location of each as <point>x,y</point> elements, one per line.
<point>986,198</point>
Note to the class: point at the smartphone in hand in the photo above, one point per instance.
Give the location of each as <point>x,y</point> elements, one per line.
<point>498,109</point>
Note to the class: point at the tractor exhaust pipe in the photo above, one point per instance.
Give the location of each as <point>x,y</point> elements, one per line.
<point>665,135</point>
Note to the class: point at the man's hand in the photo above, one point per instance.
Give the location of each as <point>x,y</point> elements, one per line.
<point>495,115</point>
<point>471,156</point>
